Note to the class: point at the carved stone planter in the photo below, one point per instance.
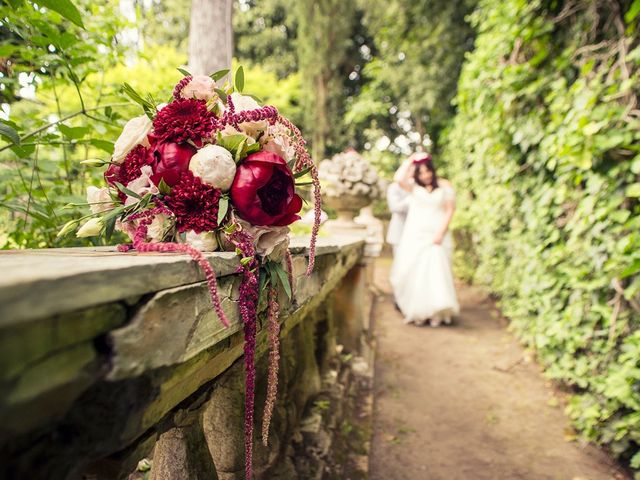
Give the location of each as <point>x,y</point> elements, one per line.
<point>346,207</point>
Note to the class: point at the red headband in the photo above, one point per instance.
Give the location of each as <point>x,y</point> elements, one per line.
<point>425,159</point>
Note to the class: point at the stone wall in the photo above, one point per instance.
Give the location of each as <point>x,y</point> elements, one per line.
<point>109,358</point>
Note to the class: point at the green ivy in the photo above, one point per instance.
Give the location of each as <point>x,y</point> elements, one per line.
<point>544,150</point>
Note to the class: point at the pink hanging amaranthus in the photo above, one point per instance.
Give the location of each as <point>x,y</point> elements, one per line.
<point>248,312</point>
<point>273,313</point>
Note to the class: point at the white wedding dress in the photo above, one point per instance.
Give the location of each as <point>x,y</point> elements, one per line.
<point>421,275</point>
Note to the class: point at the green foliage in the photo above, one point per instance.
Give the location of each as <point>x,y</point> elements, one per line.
<point>52,55</point>
<point>544,152</point>
<point>419,49</point>
<point>264,34</point>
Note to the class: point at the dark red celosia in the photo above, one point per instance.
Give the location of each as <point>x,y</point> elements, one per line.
<point>184,119</point>
<point>140,244</point>
<point>129,169</point>
<point>248,313</point>
<point>194,204</point>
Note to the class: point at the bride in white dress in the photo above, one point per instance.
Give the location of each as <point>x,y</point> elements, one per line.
<point>422,276</point>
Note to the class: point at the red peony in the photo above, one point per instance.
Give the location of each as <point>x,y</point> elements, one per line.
<point>129,169</point>
<point>194,204</point>
<point>170,160</point>
<point>184,119</point>
<point>263,191</point>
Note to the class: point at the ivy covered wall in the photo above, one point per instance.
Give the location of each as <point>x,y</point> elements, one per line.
<point>544,152</point>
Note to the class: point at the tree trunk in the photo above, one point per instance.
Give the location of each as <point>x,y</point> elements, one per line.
<point>210,36</point>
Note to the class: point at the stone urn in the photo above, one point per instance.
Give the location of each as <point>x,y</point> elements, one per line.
<point>346,207</point>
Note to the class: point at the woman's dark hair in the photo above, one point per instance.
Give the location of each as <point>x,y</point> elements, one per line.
<point>427,161</point>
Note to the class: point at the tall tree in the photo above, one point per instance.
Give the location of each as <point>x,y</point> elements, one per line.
<point>330,56</point>
<point>412,80</point>
<point>265,34</point>
<point>210,36</point>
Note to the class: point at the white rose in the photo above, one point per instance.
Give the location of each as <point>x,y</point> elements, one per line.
<point>141,185</point>
<point>243,102</point>
<point>201,87</point>
<point>99,199</point>
<point>205,241</point>
<point>91,228</point>
<point>157,228</point>
<point>215,166</point>
<point>134,133</point>
<point>268,240</point>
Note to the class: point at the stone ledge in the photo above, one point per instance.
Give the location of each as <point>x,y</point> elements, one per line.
<point>41,283</point>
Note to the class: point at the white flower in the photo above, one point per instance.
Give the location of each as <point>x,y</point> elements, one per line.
<point>269,241</point>
<point>201,87</point>
<point>134,133</point>
<point>157,228</point>
<point>141,185</point>
<point>205,241</point>
<point>243,102</point>
<point>91,228</point>
<point>99,199</point>
<point>215,166</point>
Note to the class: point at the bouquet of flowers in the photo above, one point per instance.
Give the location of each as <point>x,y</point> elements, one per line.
<point>348,173</point>
<point>211,169</point>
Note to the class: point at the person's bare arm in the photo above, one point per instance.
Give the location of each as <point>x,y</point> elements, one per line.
<point>406,182</point>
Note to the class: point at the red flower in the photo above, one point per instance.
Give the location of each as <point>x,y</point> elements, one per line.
<point>129,169</point>
<point>184,119</point>
<point>263,191</point>
<point>170,160</point>
<point>194,204</point>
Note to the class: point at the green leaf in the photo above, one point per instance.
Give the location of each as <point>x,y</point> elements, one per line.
<point>184,72</point>
<point>631,269</point>
<point>136,97</point>
<point>126,191</point>
<point>253,148</point>
<point>222,94</point>
<point>223,207</point>
<point>219,74</point>
<point>65,8</point>
<point>257,99</point>
<point>73,133</point>
<point>104,145</point>
<point>239,79</point>
<point>231,142</point>
<point>302,173</point>
<point>633,190</point>
<point>23,151</point>
<point>240,150</point>
<point>633,12</point>
<point>110,225</point>
<point>164,188</point>
<point>283,277</point>
<point>10,134</point>
<point>16,3</point>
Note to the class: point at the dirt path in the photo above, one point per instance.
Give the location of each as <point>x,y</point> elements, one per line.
<point>462,402</point>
